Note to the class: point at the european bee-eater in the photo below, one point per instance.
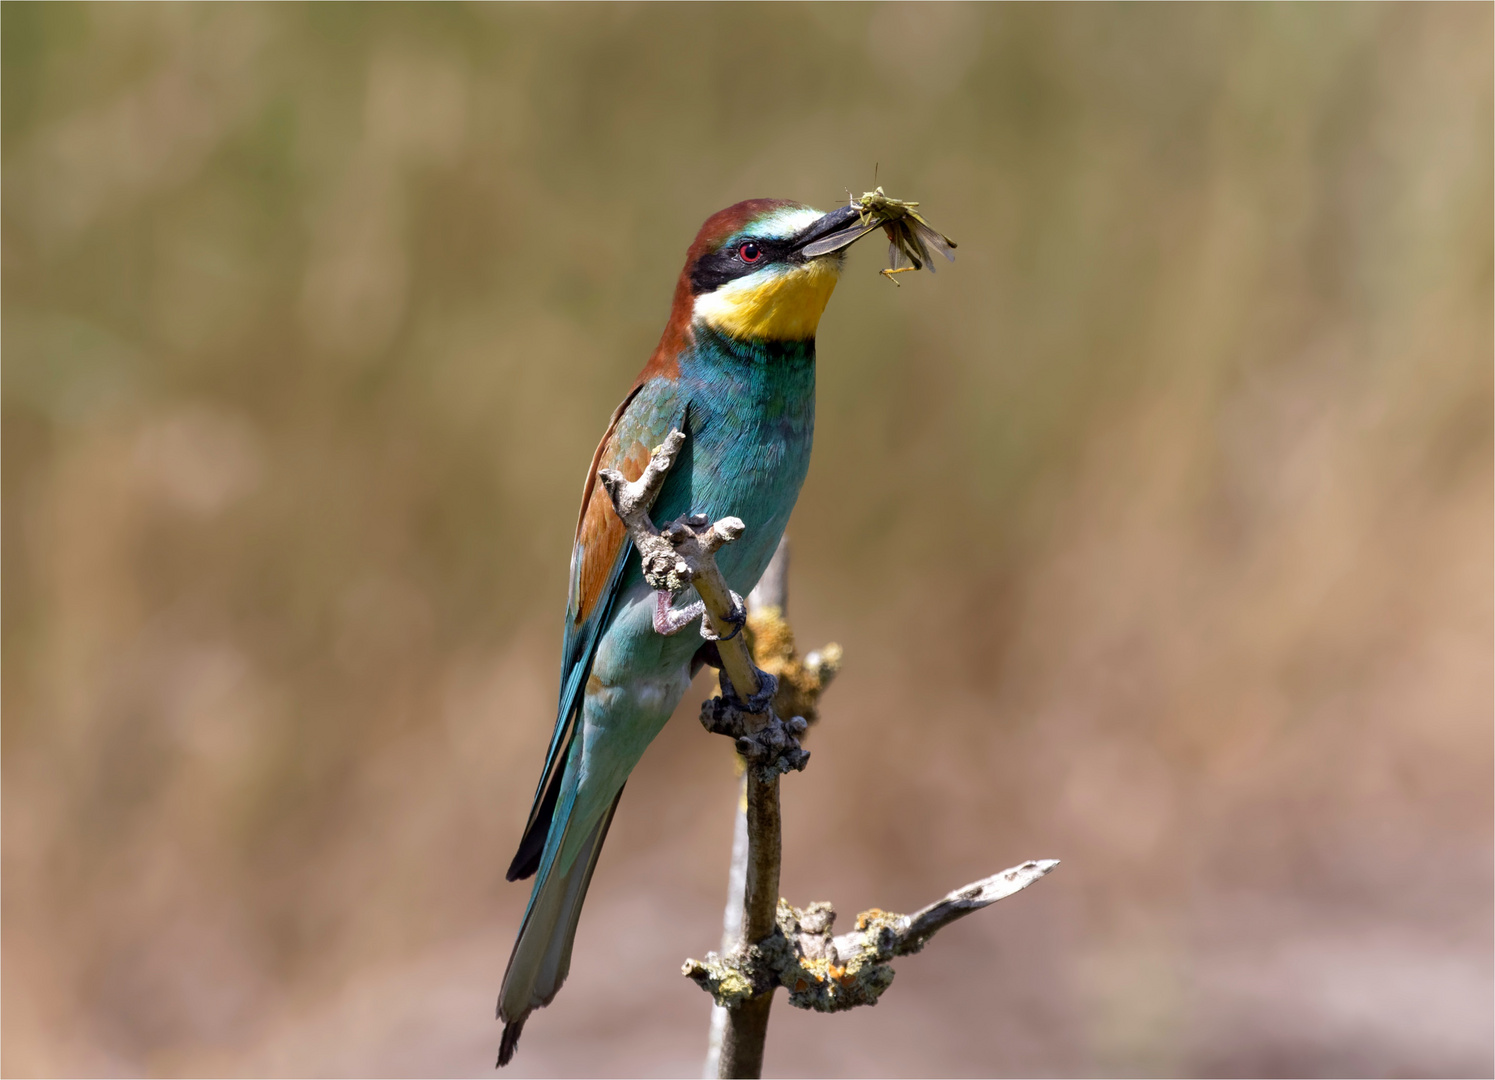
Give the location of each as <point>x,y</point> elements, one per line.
<point>734,370</point>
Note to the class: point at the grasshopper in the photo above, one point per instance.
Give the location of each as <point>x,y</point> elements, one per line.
<point>910,237</point>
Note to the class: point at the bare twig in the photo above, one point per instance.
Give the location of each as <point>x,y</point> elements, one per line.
<point>913,931</point>
<point>771,592</point>
<point>731,921</point>
<point>747,1017</point>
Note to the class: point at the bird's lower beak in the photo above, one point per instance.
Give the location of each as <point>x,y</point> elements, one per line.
<point>828,225</point>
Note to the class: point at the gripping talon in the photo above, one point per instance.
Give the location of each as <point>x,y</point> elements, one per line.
<point>737,618</point>
<point>768,686</point>
<point>667,620</point>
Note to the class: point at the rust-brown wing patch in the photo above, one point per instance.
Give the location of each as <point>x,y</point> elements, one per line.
<point>600,533</point>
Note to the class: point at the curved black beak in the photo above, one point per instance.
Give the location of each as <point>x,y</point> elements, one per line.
<point>823,228</point>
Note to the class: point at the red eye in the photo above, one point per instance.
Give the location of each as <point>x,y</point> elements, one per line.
<point>749,252</point>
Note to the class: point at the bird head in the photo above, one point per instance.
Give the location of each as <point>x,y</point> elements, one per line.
<point>747,274</point>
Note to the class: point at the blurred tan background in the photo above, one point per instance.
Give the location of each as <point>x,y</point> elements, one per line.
<point>1157,529</point>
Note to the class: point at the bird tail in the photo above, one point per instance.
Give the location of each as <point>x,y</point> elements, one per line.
<point>542,954</point>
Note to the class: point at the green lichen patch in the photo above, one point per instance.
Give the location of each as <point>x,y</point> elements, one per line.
<point>821,977</point>
<point>728,979</point>
<point>820,972</point>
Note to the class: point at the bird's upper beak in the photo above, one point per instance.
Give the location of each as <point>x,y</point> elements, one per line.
<point>839,220</point>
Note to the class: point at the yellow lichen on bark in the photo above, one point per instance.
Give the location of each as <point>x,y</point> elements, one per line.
<point>801,679</point>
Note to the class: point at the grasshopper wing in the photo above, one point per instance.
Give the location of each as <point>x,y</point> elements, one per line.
<point>904,247</point>
<point>932,238</point>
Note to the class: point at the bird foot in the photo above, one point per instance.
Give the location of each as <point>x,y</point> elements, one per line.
<point>669,620</point>
<point>761,702</point>
<point>737,619</point>
<point>772,748</point>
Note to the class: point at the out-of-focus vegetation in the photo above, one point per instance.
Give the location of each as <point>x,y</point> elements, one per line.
<point>1157,528</point>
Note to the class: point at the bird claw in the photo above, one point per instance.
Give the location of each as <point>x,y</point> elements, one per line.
<point>668,620</point>
<point>771,749</point>
<point>737,619</point>
<point>768,686</point>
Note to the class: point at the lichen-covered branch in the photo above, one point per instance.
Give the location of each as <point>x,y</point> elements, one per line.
<point>800,683</point>
<point>680,555</point>
<point>779,945</point>
<point>831,973</point>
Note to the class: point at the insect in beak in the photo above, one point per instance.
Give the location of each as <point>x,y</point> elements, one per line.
<point>910,237</point>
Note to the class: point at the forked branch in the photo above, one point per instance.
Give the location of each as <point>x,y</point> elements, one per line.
<point>833,973</point>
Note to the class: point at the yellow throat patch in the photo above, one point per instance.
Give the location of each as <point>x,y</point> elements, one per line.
<point>783,306</point>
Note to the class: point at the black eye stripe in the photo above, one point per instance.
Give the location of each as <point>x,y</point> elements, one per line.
<point>726,264</point>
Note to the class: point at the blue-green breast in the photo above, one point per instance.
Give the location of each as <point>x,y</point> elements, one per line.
<point>750,423</point>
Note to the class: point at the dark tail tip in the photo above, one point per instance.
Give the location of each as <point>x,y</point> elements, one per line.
<point>510,1042</point>
<point>526,862</point>
<point>527,859</point>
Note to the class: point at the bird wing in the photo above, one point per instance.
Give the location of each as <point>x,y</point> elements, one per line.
<point>598,558</point>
